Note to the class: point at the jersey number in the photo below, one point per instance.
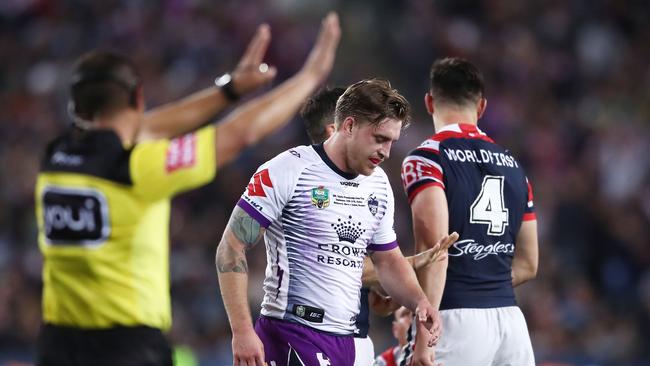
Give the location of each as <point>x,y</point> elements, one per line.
<point>488,207</point>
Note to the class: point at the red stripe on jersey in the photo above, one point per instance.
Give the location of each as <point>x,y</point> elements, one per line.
<point>530,191</point>
<point>431,171</point>
<point>529,216</point>
<point>436,151</point>
<point>419,189</point>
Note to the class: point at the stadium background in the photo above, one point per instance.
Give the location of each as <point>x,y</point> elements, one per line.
<point>567,88</point>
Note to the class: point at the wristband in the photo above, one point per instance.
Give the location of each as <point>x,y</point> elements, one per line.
<point>225,83</point>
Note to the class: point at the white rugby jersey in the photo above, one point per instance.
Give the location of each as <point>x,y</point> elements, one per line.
<point>320,224</point>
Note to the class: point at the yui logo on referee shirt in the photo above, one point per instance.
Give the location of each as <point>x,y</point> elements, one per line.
<point>75,216</point>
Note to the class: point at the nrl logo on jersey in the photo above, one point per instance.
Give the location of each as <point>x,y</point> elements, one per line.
<point>320,197</point>
<point>373,204</point>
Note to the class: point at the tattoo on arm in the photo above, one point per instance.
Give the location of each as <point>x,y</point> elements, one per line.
<point>245,228</point>
<point>242,233</point>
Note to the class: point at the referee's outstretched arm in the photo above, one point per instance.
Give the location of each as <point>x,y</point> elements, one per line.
<point>182,116</point>
<point>267,113</point>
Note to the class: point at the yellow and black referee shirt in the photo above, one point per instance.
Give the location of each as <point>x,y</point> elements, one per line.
<point>103,218</point>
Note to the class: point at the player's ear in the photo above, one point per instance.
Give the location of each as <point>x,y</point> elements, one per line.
<point>428,102</point>
<point>480,108</point>
<point>347,124</point>
<point>329,129</point>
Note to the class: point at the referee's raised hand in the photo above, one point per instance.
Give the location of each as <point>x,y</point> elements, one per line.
<point>251,71</point>
<point>321,58</point>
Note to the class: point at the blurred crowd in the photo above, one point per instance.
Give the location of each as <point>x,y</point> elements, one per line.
<point>567,89</point>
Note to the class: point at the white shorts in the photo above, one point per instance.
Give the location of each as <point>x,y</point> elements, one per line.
<point>364,351</point>
<point>482,337</point>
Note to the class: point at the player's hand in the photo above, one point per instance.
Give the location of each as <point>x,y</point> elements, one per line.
<point>423,356</point>
<point>436,253</point>
<point>251,72</point>
<point>380,303</point>
<point>247,349</point>
<point>428,322</point>
<point>321,58</point>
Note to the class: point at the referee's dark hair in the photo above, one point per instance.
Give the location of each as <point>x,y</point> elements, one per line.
<point>456,81</point>
<point>318,112</point>
<point>103,82</point>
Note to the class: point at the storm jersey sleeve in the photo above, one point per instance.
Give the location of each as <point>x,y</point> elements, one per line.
<point>269,189</point>
<point>385,237</point>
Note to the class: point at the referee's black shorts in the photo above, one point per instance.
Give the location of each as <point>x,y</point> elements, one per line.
<point>128,346</point>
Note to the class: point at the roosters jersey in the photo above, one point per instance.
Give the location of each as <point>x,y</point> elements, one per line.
<point>320,222</point>
<point>488,197</point>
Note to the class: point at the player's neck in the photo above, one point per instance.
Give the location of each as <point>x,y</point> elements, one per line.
<point>336,150</point>
<point>125,124</point>
<point>443,118</point>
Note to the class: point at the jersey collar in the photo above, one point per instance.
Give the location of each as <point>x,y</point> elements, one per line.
<point>323,155</point>
<point>463,129</point>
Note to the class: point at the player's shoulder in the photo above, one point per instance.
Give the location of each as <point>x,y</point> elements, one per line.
<point>428,150</point>
<point>294,159</point>
<point>431,144</point>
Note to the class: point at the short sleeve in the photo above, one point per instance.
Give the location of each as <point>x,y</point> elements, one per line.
<point>421,169</point>
<point>163,168</point>
<point>385,238</point>
<point>269,190</point>
<point>529,211</point>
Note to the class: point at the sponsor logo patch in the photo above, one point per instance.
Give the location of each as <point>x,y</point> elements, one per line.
<point>75,216</point>
<point>373,204</point>
<point>320,197</point>
<point>181,153</point>
<point>258,182</point>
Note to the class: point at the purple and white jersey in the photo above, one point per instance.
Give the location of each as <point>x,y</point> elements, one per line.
<point>320,224</point>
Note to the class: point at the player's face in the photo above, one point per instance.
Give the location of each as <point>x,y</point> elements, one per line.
<point>370,144</point>
<point>401,324</point>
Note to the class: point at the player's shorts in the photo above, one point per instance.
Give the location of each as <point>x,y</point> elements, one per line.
<point>364,351</point>
<point>128,346</point>
<point>289,344</point>
<point>480,337</point>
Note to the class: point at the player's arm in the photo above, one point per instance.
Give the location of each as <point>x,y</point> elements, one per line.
<point>191,112</point>
<point>423,259</point>
<point>430,225</point>
<point>380,304</point>
<point>526,258</point>
<point>241,234</point>
<point>396,276</point>
<point>265,114</point>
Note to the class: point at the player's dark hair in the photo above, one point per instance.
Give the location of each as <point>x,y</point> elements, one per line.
<point>103,82</point>
<point>318,112</point>
<point>373,100</point>
<point>456,81</point>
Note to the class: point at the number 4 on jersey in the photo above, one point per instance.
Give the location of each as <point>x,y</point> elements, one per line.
<point>488,207</point>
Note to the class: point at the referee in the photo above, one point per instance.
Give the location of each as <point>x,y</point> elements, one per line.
<point>104,189</point>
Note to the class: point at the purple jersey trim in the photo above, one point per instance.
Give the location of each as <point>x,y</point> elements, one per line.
<point>254,213</point>
<point>382,247</point>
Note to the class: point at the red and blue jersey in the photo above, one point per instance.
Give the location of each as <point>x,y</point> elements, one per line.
<point>488,197</point>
